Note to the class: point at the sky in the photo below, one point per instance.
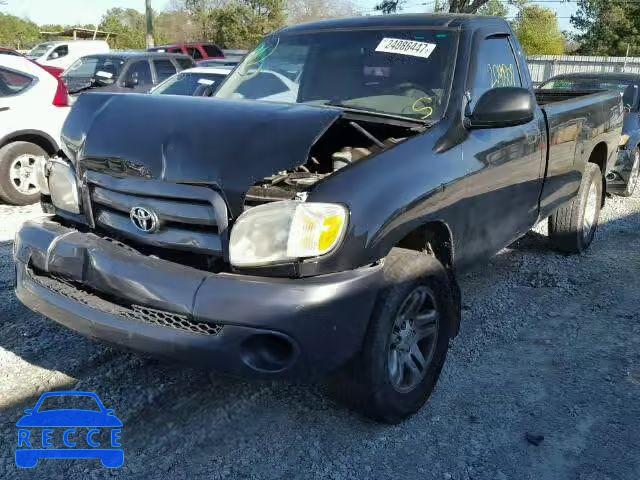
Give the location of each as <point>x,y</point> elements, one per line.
<point>69,12</point>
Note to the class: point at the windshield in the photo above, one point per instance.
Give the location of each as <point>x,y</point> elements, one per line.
<point>39,50</point>
<point>406,73</point>
<point>627,88</point>
<point>102,67</point>
<point>187,83</point>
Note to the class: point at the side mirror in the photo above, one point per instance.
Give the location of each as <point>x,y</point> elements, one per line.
<point>29,411</point>
<point>54,55</point>
<point>132,81</point>
<point>503,107</point>
<point>110,411</point>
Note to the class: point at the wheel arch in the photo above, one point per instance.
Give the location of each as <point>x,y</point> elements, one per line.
<point>37,137</point>
<point>599,156</point>
<point>436,238</point>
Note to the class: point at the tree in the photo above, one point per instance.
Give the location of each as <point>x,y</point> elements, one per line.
<point>482,7</point>
<point>300,11</point>
<point>176,26</point>
<point>389,6</point>
<point>538,32</point>
<point>129,25</point>
<point>242,24</point>
<point>466,6</point>
<point>607,27</point>
<point>493,8</point>
<point>18,33</point>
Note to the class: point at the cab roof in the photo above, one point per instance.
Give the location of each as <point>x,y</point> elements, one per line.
<point>408,20</point>
<point>140,54</point>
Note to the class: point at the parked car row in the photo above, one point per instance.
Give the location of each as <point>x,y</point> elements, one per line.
<point>33,107</point>
<point>35,98</point>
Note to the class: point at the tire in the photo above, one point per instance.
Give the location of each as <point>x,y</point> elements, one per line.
<point>633,176</point>
<point>370,384</point>
<point>572,228</point>
<point>19,155</point>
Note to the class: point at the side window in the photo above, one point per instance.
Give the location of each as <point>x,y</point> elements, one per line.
<point>496,67</point>
<point>164,69</point>
<point>185,63</point>
<point>12,83</point>
<point>59,52</point>
<point>139,74</point>
<point>174,50</point>
<point>212,51</point>
<point>194,52</point>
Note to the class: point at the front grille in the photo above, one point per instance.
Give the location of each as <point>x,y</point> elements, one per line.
<point>79,293</point>
<point>187,217</point>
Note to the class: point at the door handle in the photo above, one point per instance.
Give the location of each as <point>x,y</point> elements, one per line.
<point>4,109</point>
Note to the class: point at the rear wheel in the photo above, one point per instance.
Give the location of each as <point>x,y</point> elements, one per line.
<point>407,340</point>
<point>18,162</point>
<point>572,227</point>
<point>634,175</point>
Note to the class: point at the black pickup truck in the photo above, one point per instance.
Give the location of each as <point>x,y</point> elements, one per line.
<point>310,220</point>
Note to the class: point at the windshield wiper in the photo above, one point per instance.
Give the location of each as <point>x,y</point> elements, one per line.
<point>92,83</point>
<point>349,108</point>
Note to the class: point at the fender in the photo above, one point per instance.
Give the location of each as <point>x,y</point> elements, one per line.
<point>407,186</point>
<point>46,141</point>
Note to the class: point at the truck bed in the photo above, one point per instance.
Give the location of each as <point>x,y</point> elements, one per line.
<point>544,97</point>
<point>576,122</point>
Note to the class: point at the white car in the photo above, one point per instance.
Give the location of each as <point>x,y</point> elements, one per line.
<point>62,54</point>
<point>197,81</point>
<point>33,106</point>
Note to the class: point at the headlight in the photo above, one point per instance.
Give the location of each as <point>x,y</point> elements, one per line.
<point>286,230</point>
<point>41,174</point>
<point>62,186</point>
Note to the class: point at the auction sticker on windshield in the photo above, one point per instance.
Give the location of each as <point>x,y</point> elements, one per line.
<point>406,47</point>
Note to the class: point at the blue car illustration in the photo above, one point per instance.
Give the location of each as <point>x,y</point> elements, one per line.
<point>66,433</point>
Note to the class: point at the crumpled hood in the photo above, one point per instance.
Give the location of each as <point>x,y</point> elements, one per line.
<point>229,144</point>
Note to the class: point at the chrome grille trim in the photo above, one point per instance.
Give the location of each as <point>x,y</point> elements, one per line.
<point>168,210</point>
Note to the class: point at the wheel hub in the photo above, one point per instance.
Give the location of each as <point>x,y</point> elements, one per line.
<point>635,172</point>
<point>413,339</point>
<point>22,173</point>
<point>590,211</point>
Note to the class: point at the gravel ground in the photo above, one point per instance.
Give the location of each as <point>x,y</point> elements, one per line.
<point>549,346</point>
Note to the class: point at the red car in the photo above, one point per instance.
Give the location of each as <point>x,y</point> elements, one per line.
<point>55,71</point>
<point>197,50</point>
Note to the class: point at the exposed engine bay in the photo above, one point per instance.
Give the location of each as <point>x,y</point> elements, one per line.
<point>345,142</point>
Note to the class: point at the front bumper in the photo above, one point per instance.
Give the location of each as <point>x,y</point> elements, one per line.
<point>237,324</point>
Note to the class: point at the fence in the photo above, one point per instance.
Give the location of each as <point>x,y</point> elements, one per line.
<point>545,66</point>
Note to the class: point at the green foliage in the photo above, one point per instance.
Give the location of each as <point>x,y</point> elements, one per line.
<point>129,25</point>
<point>494,8</point>
<point>607,27</point>
<point>243,24</point>
<point>18,33</point>
<point>538,31</point>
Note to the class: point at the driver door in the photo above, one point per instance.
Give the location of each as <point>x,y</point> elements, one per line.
<point>505,187</point>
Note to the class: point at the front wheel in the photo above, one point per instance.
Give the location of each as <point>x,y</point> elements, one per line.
<point>407,340</point>
<point>572,227</point>
<point>18,161</point>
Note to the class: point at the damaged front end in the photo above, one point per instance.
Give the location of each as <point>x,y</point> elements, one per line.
<point>170,176</point>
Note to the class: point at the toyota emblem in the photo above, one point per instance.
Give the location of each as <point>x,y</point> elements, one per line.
<point>144,219</point>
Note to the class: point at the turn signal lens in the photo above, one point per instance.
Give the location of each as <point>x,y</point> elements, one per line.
<point>624,139</point>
